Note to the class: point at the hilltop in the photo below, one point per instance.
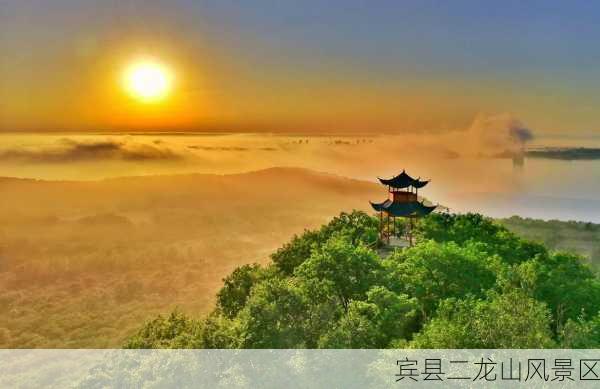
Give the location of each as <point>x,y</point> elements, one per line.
<point>82,264</point>
<point>468,282</point>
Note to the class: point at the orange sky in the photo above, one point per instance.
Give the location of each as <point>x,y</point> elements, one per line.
<point>285,67</point>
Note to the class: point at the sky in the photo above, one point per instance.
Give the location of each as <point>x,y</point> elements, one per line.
<point>309,66</point>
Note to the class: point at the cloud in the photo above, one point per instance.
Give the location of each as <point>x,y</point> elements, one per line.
<point>494,135</point>
<point>70,150</point>
<point>218,148</point>
<point>229,148</point>
<point>521,134</point>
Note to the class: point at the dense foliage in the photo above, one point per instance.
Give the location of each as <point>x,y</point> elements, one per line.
<point>467,283</point>
<point>572,236</point>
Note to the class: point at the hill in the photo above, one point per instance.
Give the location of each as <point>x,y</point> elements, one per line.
<point>83,263</point>
<point>468,282</point>
<point>579,237</point>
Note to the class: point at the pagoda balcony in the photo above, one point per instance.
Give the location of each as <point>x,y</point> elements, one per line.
<point>401,196</point>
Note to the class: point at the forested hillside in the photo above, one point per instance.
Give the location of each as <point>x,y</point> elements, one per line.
<point>82,264</point>
<point>468,283</point>
<point>580,237</point>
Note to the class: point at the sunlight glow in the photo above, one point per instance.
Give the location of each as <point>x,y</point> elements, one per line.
<point>148,81</point>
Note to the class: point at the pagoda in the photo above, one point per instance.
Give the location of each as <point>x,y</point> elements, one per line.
<point>403,201</point>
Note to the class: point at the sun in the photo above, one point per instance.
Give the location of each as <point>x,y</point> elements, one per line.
<point>148,81</point>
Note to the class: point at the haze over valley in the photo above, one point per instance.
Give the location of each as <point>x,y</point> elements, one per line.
<point>82,264</point>
<point>481,168</point>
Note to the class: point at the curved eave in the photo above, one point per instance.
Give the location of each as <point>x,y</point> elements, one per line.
<point>395,183</point>
<point>380,207</point>
<point>424,210</point>
<point>419,184</point>
<point>402,181</point>
<point>401,209</point>
<point>412,209</point>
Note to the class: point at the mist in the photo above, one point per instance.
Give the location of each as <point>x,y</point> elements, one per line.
<point>100,231</point>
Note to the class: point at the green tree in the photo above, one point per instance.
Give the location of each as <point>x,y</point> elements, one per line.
<point>173,331</point>
<point>356,226</point>
<point>568,286</point>
<point>509,320</point>
<point>292,254</point>
<point>581,334</point>
<point>348,270</point>
<point>236,289</point>
<point>433,271</point>
<point>374,323</point>
<point>219,331</point>
<point>356,329</point>
<point>275,316</point>
<point>468,283</point>
<point>494,238</point>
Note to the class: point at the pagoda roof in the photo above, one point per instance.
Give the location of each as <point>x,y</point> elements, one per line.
<point>424,210</point>
<point>380,207</point>
<point>419,184</point>
<point>403,180</point>
<point>414,208</point>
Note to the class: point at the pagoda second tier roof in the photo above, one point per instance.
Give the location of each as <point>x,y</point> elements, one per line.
<point>414,208</point>
<point>402,181</point>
